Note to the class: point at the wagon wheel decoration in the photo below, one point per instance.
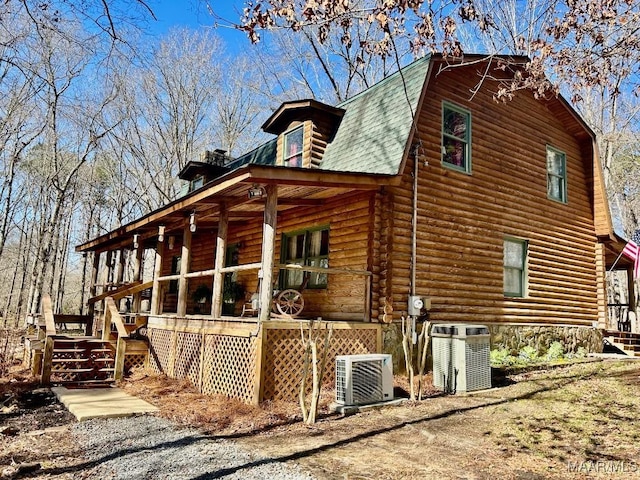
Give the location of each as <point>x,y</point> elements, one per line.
<point>289,302</point>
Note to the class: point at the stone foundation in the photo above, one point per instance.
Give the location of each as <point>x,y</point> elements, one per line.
<point>515,337</point>
<point>392,343</point>
<point>511,337</point>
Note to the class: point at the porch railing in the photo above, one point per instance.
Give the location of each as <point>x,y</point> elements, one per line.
<point>618,317</point>
<point>305,268</point>
<point>112,316</point>
<point>119,293</point>
<point>49,339</point>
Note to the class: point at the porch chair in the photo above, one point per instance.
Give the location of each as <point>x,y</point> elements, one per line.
<point>250,305</point>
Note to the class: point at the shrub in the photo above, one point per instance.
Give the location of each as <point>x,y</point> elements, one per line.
<point>555,352</point>
<point>502,358</point>
<point>528,354</point>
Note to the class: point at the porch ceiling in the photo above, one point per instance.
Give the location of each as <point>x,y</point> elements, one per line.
<point>296,187</point>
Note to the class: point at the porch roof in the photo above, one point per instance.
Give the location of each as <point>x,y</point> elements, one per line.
<point>613,253</point>
<point>297,187</point>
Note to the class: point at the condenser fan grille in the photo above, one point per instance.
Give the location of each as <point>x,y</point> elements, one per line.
<point>363,379</point>
<point>367,381</point>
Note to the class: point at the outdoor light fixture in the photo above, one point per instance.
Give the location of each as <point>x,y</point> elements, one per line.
<point>256,191</point>
<point>135,240</point>
<point>161,233</point>
<point>192,222</point>
<point>172,240</point>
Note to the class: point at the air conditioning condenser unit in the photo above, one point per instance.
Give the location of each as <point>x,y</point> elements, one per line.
<point>363,379</point>
<point>461,357</point>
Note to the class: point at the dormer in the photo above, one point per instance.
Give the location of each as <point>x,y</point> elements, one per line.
<point>211,166</point>
<point>304,129</point>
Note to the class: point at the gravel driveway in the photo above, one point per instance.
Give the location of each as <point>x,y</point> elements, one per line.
<point>148,447</point>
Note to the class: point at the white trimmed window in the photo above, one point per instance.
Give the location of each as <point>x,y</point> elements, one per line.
<point>293,142</point>
<point>308,247</point>
<point>515,267</point>
<point>556,175</point>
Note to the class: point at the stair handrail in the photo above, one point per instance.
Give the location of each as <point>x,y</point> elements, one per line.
<point>121,292</point>
<point>112,315</point>
<point>50,329</point>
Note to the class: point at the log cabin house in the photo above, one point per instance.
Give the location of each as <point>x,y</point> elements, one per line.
<point>421,186</point>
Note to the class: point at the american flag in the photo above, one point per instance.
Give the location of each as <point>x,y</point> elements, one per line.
<point>632,252</point>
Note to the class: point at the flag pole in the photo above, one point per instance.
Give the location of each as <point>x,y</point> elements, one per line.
<point>616,262</point>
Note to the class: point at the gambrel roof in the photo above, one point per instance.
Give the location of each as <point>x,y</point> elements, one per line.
<point>377,124</point>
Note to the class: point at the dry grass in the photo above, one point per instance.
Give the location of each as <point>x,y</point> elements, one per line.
<point>573,422</point>
<point>538,427</point>
<point>10,347</point>
<point>180,402</point>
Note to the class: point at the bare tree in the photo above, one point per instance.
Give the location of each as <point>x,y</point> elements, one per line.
<point>576,43</point>
<point>240,107</point>
<point>164,110</point>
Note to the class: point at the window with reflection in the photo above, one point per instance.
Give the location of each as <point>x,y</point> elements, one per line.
<point>310,248</point>
<point>456,137</point>
<point>293,142</point>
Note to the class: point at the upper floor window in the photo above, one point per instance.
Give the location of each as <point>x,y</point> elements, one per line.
<point>556,175</point>
<point>456,137</point>
<point>310,248</point>
<point>293,147</point>
<point>196,183</point>
<point>515,263</point>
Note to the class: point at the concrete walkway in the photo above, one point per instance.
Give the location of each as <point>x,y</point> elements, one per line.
<point>86,403</point>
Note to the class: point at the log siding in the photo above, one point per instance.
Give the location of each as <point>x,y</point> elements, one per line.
<point>463,218</point>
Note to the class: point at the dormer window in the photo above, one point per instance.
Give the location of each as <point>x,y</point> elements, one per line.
<point>196,183</point>
<point>293,147</point>
<point>304,129</point>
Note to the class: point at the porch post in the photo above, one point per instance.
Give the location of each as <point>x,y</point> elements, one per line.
<point>137,275</point>
<point>93,285</point>
<point>221,251</point>
<point>268,247</point>
<point>157,271</point>
<point>185,261</point>
<point>109,265</point>
<point>631,289</point>
<point>120,267</point>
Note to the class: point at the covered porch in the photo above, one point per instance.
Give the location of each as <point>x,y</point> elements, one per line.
<point>621,332</point>
<point>217,258</point>
<point>621,289</point>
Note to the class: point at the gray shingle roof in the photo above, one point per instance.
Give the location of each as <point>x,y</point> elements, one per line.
<point>376,125</point>
<point>265,154</point>
<point>374,130</point>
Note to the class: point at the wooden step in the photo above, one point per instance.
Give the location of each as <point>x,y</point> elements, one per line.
<point>69,360</point>
<point>631,350</point>
<point>617,334</point>
<point>107,382</point>
<point>626,341</point>
<point>71,371</point>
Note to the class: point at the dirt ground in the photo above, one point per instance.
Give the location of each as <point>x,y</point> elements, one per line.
<point>577,421</point>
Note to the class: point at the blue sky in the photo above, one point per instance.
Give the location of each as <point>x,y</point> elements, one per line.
<point>194,14</point>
